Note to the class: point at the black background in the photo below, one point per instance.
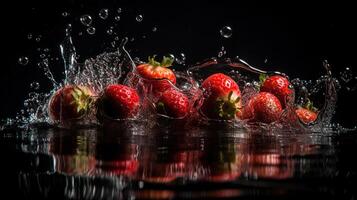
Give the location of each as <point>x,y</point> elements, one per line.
<point>294,36</point>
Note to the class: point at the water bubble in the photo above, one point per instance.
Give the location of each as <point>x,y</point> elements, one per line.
<point>181,59</point>
<point>110,31</point>
<point>38,38</point>
<point>91,30</point>
<point>172,56</point>
<point>86,20</point>
<point>103,13</point>
<point>226,32</point>
<point>119,10</point>
<point>346,75</point>
<point>29,36</point>
<point>117,18</point>
<point>65,14</point>
<point>139,18</point>
<point>35,85</point>
<point>222,52</point>
<point>154,29</point>
<point>265,60</point>
<point>23,61</point>
<point>113,44</point>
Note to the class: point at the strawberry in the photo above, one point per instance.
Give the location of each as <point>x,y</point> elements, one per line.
<point>173,103</point>
<point>118,102</point>
<point>263,107</point>
<point>223,97</point>
<point>154,71</point>
<point>70,102</point>
<point>278,86</point>
<point>308,113</point>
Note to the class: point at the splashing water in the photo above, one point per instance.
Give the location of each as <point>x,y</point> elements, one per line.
<point>118,67</point>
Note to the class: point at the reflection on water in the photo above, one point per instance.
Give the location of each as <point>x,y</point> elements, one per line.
<point>115,163</point>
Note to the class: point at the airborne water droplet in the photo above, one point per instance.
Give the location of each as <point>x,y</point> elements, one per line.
<point>91,30</point>
<point>139,18</point>
<point>226,32</point>
<point>29,36</point>
<point>103,13</point>
<point>86,20</point>
<point>35,85</point>
<point>154,29</point>
<point>65,14</point>
<point>222,52</point>
<point>181,59</point>
<point>119,10</point>
<point>38,38</point>
<point>23,61</point>
<point>110,31</point>
<point>117,18</point>
<point>43,55</point>
<point>346,75</point>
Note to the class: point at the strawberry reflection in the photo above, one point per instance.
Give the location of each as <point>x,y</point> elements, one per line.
<point>172,157</point>
<point>73,151</point>
<point>117,151</point>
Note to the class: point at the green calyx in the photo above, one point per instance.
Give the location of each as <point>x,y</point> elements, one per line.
<point>82,99</point>
<point>227,108</point>
<point>160,106</point>
<point>310,106</point>
<point>165,62</point>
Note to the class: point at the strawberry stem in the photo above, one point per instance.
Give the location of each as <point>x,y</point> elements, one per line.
<point>165,62</point>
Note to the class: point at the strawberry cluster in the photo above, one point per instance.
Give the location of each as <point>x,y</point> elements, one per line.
<point>221,98</point>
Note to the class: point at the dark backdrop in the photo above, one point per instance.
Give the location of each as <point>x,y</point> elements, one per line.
<point>294,36</point>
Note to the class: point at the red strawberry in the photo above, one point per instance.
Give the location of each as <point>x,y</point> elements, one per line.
<point>173,103</point>
<point>118,102</point>
<point>263,107</point>
<point>308,113</point>
<point>223,100</point>
<point>70,102</point>
<point>154,71</point>
<point>278,86</point>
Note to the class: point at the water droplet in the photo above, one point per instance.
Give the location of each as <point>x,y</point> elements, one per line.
<point>35,85</point>
<point>265,60</point>
<point>80,33</point>
<point>110,31</point>
<point>222,52</point>
<point>91,30</point>
<point>154,29</point>
<point>144,36</point>
<point>46,50</point>
<point>29,36</point>
<point>113,44</point>
<point>226,32</point>
<point>172,56</point>
<point>65,14</point>
<point>38,38</point>
<point>86,20</point>
<point>117,18</point>
<point>181,59</point>
<point>119,10</point>
<point>139,18</point>
<point>103,13</point>
<point>132,39</point>
<point>23,61</point>
<point>116,38</point>
<point>43,55</point>
<point>346,75</point>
